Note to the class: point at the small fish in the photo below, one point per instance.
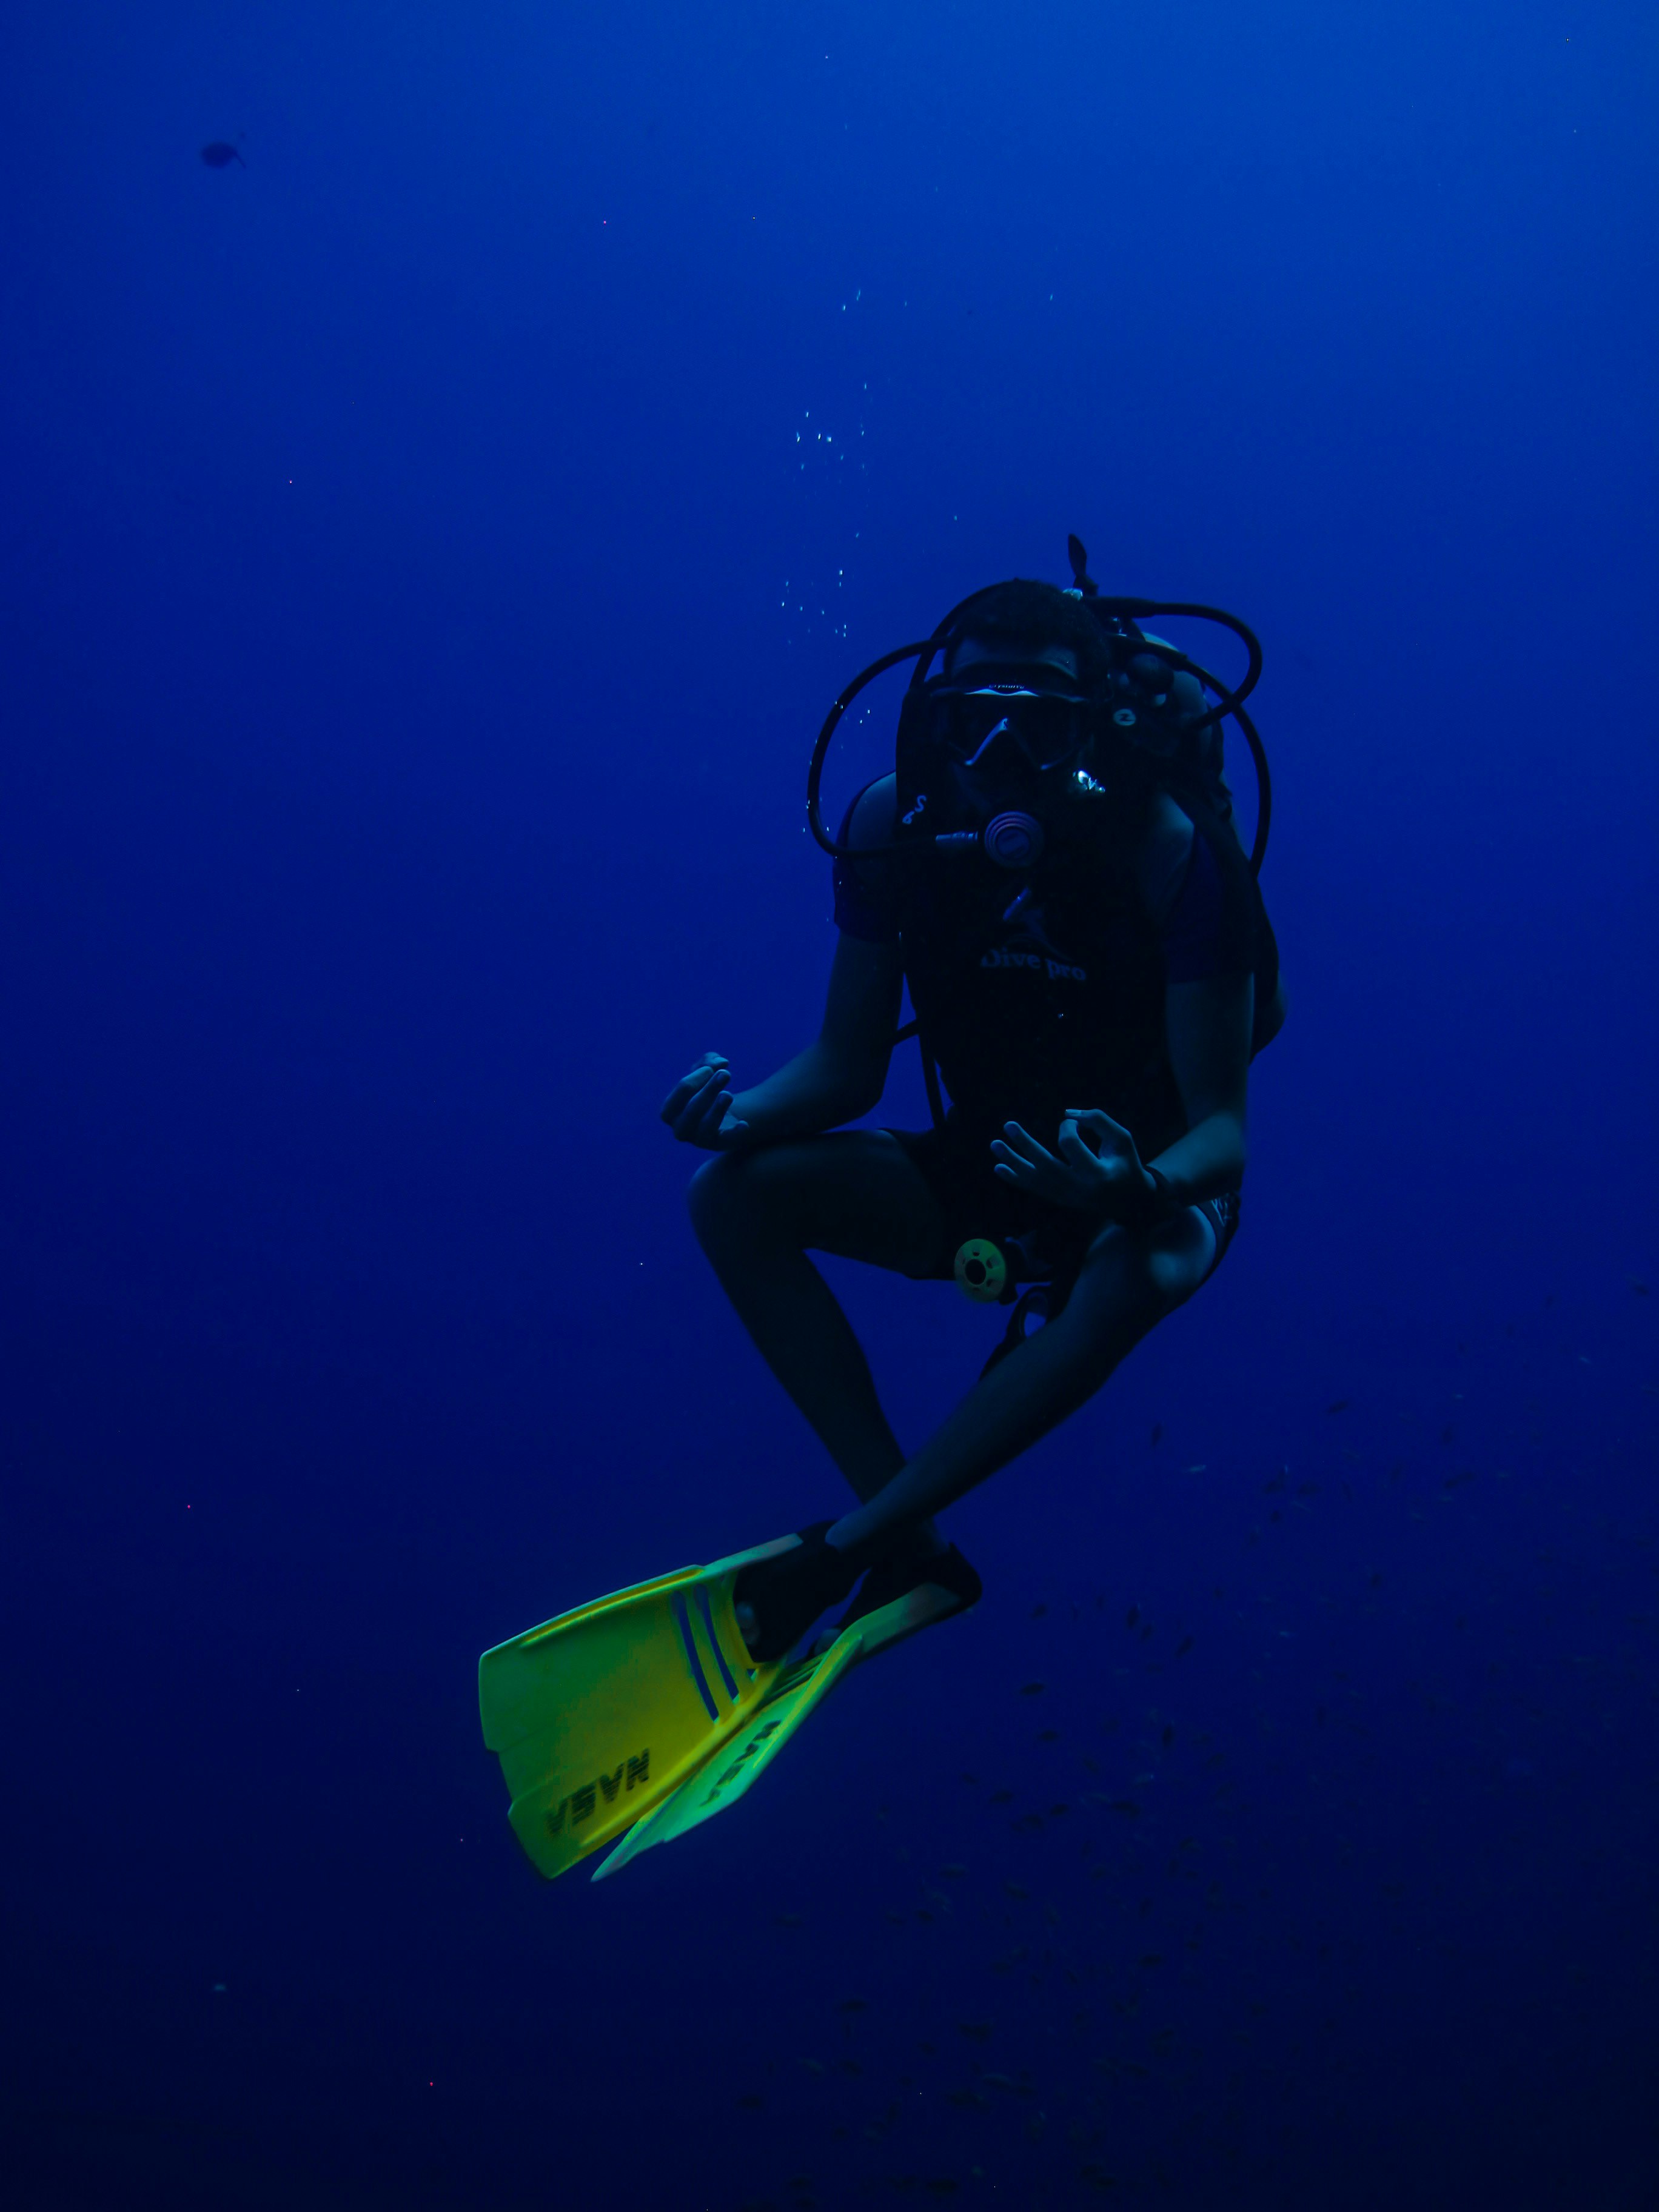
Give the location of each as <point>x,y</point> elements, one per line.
<point>1032,1689</point>
<point>1338,1406</point>
<point>787,1919</point>
<point>976,2031</point>
<point>954,1872</point>
<point>1169,1737</point>
<point>1002,1796</point>
<point>1038,1612</point>
<point>1183,1647</point>
<point>1126,1806</point>
<point>751,2102</point>
<point>1131,1616</point>
<point>1016,1889</point>
<point>853,2004</point>
<point>219,154</point>
<point>1157,1434</point>
<point>1048,1735</point>
<point>815,2065</point>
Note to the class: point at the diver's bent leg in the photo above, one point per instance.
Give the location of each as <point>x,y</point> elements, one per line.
<point>757,1213</point>
<point>1128,1286</point>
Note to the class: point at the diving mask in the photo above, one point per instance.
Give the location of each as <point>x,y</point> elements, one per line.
<point>1048,727</point>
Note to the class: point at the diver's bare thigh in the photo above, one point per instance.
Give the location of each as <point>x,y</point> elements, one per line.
<point>853,1193</point>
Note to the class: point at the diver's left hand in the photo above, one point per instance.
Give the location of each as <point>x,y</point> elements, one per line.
<point>1098,1169</point>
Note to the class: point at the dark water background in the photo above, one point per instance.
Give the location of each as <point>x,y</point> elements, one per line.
<point>428,550</point>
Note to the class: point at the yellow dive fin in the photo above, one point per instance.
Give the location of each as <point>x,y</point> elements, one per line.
<point>600,1715</point>
<point>739,1762</point>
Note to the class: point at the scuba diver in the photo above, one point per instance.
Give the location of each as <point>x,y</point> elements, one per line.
<point>1053,873</point>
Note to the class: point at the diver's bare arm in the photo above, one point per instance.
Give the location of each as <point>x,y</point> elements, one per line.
<point>840,1075</point>
<point>1208,1027</point>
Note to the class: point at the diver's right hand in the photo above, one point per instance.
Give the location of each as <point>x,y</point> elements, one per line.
<point>698,1109</point>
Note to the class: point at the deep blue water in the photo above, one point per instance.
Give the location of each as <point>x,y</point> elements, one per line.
<point>429,546</point>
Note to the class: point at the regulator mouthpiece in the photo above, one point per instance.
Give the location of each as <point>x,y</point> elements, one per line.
<point>1014,841</point>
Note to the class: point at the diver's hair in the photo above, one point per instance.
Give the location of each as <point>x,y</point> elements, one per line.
<point>1023,616</point>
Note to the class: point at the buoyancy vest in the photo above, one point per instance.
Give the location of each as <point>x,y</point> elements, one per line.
<point>1037,992</point>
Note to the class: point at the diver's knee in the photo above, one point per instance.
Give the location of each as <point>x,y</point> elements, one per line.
<point>708,1195</point>
<point>1129,1287</point>
<point>726,1193</point>
<point>1170,1280</point>
<point>1177,1266</point>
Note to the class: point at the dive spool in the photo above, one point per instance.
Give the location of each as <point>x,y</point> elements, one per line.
<point>981,1270</point>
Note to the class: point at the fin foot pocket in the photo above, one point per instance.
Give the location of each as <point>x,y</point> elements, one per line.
<point>787,1593</point>
<point>893,1579</point>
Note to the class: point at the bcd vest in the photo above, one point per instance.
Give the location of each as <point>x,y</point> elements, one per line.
<point>1041,990</point>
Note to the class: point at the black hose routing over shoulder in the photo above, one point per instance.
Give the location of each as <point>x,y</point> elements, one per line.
<point>1120,615</point>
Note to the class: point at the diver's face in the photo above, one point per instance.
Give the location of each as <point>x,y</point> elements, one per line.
<point>1008,714</point>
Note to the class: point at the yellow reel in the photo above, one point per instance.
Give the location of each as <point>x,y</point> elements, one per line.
<point>981,1272</point>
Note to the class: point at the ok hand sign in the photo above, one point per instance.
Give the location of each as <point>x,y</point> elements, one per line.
<point>1098,1169</point>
